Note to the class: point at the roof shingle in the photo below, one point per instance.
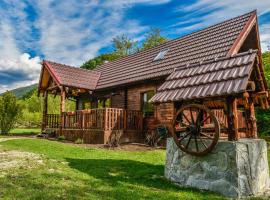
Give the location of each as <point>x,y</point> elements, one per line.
<point>209,43</point>
<point>73,76</point>
<point>217,77</point>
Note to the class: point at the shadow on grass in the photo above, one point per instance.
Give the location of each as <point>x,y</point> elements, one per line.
<point>130,173</point>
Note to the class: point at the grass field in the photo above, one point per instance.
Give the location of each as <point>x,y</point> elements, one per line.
<point>25,131</point>
<point>64,171</point>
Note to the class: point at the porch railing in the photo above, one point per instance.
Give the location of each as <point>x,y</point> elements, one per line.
<point>99,119</point>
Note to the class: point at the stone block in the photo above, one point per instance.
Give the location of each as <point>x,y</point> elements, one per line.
<point>234,168</point>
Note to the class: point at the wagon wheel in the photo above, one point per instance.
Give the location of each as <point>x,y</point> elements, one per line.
<point>196,129</point>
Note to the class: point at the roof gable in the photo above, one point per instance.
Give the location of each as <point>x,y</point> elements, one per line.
<point>217,77</point>
<point>212,42</point>
<point>72,76</point>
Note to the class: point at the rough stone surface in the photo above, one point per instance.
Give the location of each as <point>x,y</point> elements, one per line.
<point>233,169</point>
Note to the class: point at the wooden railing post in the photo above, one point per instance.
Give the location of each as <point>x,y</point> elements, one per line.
<point>125,119</point>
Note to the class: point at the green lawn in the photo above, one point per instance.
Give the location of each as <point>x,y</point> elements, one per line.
<point>72,172</point>
<point>25,131</point>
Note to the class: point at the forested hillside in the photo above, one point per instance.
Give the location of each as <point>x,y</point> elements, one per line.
<point>19,92</point>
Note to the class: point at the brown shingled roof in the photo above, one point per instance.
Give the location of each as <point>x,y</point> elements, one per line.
<point>209,43</point>
<point>73,76</point>
<point>217,77</point>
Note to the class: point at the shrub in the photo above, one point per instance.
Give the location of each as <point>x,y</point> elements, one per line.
<point>9,112</point>
<point>79,141</point>
<point>61,137</point>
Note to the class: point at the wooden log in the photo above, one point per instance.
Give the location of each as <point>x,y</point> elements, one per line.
<point>45,111</point>
<point>232,118</point>
<point>252,120</point>
<point>62,109</point>
<point>235,118</point>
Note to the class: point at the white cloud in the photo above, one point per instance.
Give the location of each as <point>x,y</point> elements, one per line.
<point>68,32</point>
<point>214,11</point>
<point>73,40</point>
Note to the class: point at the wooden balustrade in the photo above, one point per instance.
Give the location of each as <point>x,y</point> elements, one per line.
<point>99,119</point>
<point>52,121</point>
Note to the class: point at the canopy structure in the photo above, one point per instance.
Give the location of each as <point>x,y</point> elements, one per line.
<point>215,78</point>
<point>55,76</point>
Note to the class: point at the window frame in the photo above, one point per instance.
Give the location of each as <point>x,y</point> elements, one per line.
<point>144,104</point>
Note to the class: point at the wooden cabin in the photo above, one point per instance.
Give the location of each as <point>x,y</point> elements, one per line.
<point>115,96</point>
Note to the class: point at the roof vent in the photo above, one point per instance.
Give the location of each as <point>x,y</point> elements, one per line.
<point>161,55</point>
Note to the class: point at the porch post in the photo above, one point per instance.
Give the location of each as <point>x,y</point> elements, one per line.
<point>62,109</point>
<point>252,120</point>
<point>45,111</point>
<point>232,118</point>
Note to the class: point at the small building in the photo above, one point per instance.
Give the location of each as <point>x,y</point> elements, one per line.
<point>223,60</point>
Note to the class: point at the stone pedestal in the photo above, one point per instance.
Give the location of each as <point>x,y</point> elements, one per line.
<point>233,169</point>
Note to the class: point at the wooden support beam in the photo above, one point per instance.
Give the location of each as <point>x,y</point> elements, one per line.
<point>45,111</point>
<point>252,120</point>
<point>232,118</point>
<point>62,108</point>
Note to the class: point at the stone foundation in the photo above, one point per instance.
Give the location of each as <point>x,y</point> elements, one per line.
<point>233,169</point>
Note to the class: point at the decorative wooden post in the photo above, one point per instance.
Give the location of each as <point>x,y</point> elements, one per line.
<point>252,120</point>
<point>62,109</point>
<point>232,118</point>
<point>45,111</point>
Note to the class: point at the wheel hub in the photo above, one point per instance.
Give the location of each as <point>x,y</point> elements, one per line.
<point>194,129</point>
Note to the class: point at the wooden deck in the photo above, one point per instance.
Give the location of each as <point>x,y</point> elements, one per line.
<point>95,125</point>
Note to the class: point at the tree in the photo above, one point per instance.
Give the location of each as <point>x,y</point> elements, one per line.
<point>9,112</point>
<point>263,116</point>
<point>266,64</point>
<point>123,45</point>
<point>153,38</point>
<point>99,60</point>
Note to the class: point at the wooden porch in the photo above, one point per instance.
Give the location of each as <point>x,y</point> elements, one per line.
<point>96,125</point>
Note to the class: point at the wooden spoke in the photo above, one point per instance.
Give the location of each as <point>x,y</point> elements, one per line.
<point>195,129</point>
<point>197,117</point>
<point>180,130</point>
<point>196,143</point>
<point>186,118</point>
<point>187,134</point>
<point>191,115</point>
<point>204,120</point>
<point>206,135</point>
<point>202,142</point>
<point>181,122</point>
<point>186,146</point>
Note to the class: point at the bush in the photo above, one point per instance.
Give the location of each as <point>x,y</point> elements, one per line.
<point>263,121</point>
<point>79,141</point>
<point>61,137</point>
<point>9,112</point>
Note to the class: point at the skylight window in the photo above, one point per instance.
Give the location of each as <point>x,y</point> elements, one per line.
<point>161,55</point>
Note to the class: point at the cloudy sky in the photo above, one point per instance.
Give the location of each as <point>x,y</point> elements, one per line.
<point>71,31</point>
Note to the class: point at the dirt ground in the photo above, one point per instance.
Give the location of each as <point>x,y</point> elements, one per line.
<point>124,147</point>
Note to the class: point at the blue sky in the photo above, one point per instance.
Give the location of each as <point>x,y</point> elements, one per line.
<point>71,31</point>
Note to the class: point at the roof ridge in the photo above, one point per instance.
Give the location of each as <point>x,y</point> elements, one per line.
<point>73,67</point>
<point>175,39</point>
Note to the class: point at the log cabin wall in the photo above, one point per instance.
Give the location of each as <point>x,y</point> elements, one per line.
<point>163,113</point>
<point>118,100</point>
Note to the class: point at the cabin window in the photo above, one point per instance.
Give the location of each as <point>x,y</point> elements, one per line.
<point>146,107</point>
